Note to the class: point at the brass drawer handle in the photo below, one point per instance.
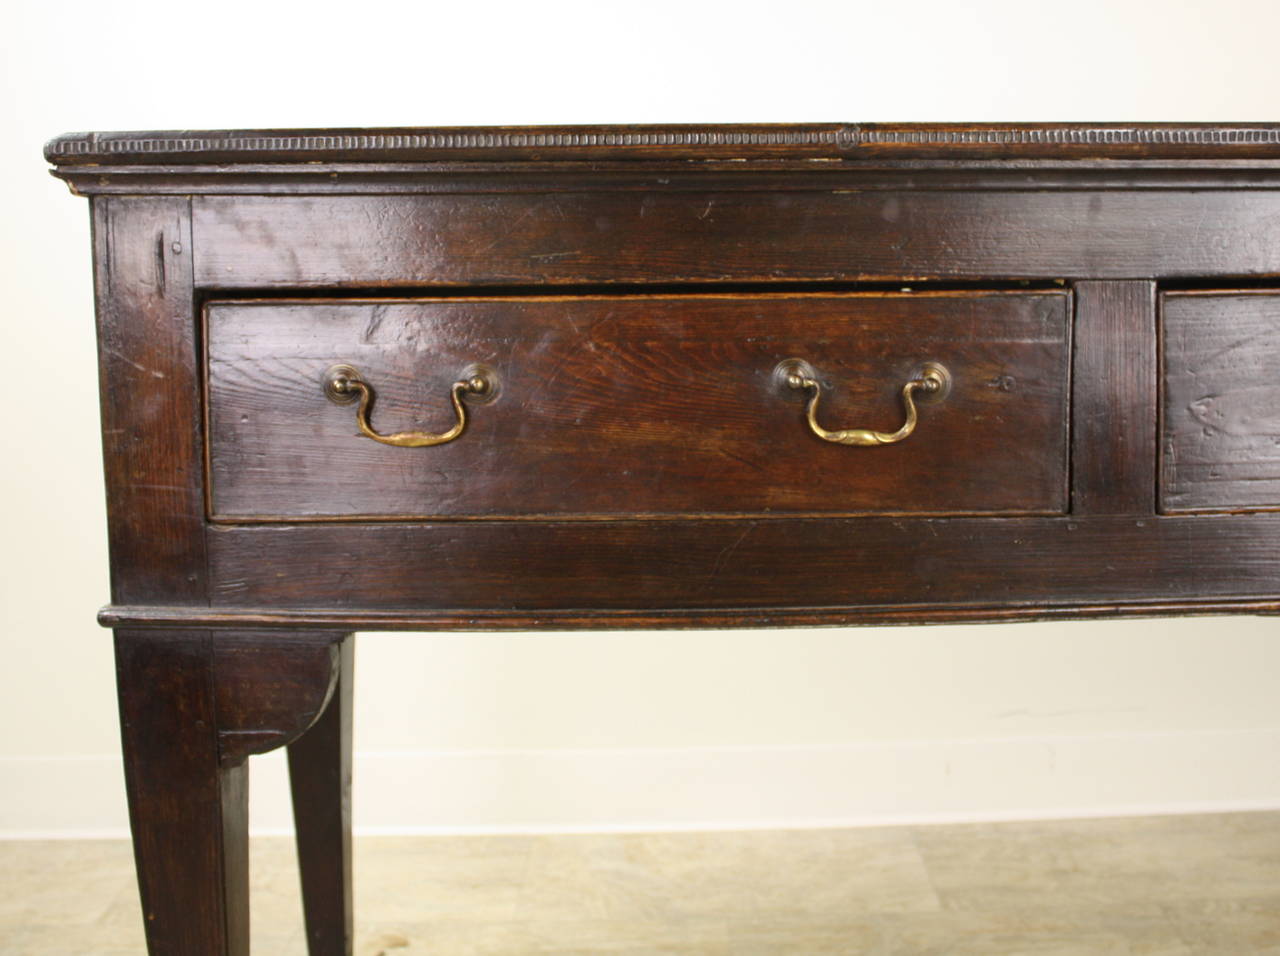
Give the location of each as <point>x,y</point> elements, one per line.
<point>343,385</point>
<point>933,382</point>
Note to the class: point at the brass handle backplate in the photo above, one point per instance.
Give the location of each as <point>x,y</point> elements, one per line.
<point>933,382</point>
<point>343,385</point>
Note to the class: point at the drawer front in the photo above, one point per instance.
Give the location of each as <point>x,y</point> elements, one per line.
<point>1220,448</point>
<point>638,406</point>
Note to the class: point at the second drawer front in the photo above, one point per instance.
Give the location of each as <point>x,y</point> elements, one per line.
<point>638,406</point>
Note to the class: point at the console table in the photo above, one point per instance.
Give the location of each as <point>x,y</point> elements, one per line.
<point>662,376</point>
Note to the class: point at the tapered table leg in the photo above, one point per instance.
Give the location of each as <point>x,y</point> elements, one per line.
<point>194,706</point>
<point>320,776</point>
<point>188,811</point>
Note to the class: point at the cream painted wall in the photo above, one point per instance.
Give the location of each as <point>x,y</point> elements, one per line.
<point>583,730</point>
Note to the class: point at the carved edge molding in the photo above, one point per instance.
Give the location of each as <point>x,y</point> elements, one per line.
<point>1068,135</point>
<point>444,141</point>
<point>709,142</point>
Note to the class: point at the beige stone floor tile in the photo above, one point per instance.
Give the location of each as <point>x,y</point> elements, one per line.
<point>61,939</point>
<point>44,942</point>
<point>1096,931</point>
<point>378,942</point>
<point>782,936</point>
<point>734,875</point>
<point>1236,855</point>
<point>846,872</point>
<point>1175,886</point>
<point>1229,926</point>
<point>46,879</point>
<point>447,877</point>
<point>972,866</point>
<point>668,935</point>
<point>635,877</point>
<point>1084,862</point>
<point>542,938</point>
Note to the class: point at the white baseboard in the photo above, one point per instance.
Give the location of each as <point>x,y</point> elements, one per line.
<point>864,784</point>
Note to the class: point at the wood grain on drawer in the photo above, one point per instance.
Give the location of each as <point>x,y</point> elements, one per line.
<point>635,406</point>
<point>1221,401</point>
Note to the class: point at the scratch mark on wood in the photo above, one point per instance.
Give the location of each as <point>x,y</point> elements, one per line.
<point>552,256</point>
<point>727,551</point>
<point>376,314</point>
<point>155,373</point>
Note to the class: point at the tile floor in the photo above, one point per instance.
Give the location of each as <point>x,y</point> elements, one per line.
<point>1150,885</point>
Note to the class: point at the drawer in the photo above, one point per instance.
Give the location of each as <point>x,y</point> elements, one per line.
<point>1220,411</point>
<point>635,406</point>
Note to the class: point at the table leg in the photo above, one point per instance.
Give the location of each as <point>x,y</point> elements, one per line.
<point>320,776</point>
<point>194,704</point>
<point>189,812</point>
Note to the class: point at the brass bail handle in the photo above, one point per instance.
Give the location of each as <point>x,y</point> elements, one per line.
<point>343,384</point>
<point>933,382</point>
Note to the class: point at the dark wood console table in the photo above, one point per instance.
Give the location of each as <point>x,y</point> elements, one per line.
<point>643,377</point>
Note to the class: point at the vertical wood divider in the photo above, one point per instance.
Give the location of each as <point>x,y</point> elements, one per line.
<point>1113,398</point>
<point>150,394</point>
